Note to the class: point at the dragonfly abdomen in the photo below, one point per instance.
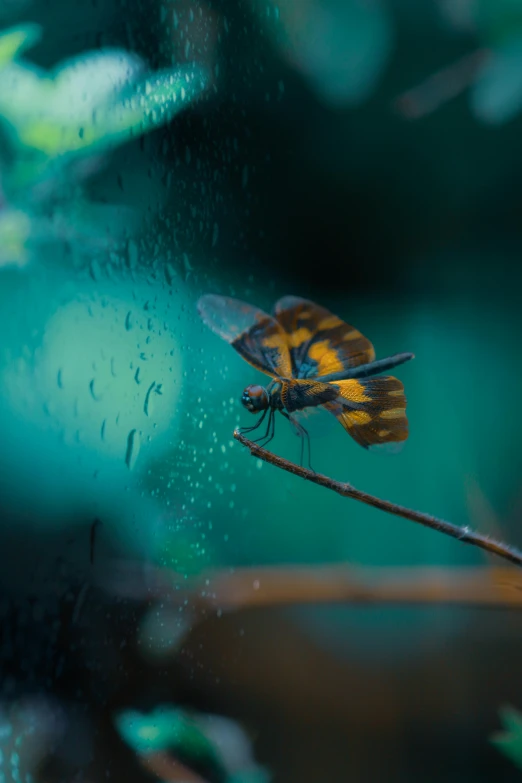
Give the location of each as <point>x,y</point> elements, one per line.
<point>299,394</point>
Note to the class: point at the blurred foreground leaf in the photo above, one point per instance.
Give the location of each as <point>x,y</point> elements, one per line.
<point>340,46</point>
<point>509,741</point>
<point>213,745</point>
<point>92,101</point>
<point>496,92</point>
<point>496,95</point>
<point>15,228</point>
<point>59,126</point>
<point>16,40</point>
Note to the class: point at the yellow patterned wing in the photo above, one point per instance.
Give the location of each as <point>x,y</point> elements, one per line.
<point>372,410</point>
<point>318,341</point>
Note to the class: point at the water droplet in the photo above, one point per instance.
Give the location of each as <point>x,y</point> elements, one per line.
<point>137,376</point>
<point>59,379</point>
<point>170,274</point>
<point>132,254</point>
<point>187,266</point>
<point>95,271</point>
<point>128,321</point>
<point>148,405</point>
<point>94,394</point>
<point>215,235</point>
<point>133,448</point>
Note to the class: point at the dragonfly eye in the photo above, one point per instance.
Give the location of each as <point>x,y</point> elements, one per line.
<point>255,398</point>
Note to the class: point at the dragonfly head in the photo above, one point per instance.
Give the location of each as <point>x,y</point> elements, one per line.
<point>255,399</point>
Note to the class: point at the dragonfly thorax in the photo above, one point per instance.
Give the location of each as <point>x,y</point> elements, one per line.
<point>255,398</point>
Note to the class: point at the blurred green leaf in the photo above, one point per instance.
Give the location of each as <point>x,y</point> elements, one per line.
<point>163,729</point>
<point>496,95</point>
<point>167,728</point>
<point>341,47</point>
<point>15,228</point>
<point>207,742</point>
<point>152,102</point>
<point>92,102</point>
<point>16,40</point>
<point>509,741</point>
<point>59,124</point>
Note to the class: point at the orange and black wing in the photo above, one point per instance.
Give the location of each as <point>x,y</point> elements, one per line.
<point>319,342</point>
<point>255,335</point>
<point>372,410</point>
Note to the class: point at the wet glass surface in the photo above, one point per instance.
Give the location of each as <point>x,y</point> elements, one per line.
<point>162,604</point>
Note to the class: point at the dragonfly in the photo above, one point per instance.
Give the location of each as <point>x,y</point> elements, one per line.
<point>314,359</point>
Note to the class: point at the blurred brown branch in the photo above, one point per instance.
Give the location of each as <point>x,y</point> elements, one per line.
<point>464,534</point>
<point>441,86</point>
<point>291,585</point>
<point>333,583</point>
<point>167,768</point>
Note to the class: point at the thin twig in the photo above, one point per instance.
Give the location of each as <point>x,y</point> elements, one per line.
<point>464,534</point>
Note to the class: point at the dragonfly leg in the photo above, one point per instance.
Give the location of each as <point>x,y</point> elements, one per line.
<point>270,430</point>
<point>256,425</point>
<point>303,434</point>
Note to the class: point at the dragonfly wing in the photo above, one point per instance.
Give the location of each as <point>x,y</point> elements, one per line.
<point>372,411</point>
<point>255,335</point>
<point>319,342</point>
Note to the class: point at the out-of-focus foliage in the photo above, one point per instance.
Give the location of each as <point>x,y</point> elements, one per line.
<point>58,126</point>
<point>343,47</point>
<point>359,37</point>
<point>214,745</point>
<point>509,741</point>
<point>28,729</point>
<point>17,40</point>
<point>496,91</point>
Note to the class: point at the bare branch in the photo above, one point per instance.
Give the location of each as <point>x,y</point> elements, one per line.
<point>464,534</point>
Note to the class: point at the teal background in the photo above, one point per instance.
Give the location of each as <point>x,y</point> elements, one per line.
<point>294,173</point>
